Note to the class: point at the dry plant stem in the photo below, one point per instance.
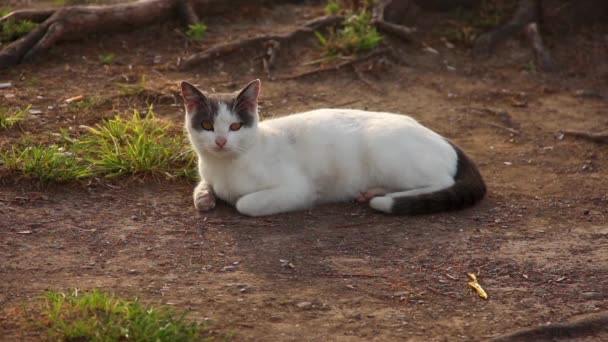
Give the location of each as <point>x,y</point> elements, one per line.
<point>595,137</point>
<point>338,66</point>
<point>510,130</point>
<point>230,47</point>
<point>586,326</point>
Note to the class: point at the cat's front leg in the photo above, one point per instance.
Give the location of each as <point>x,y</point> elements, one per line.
<point>204,199</point>
<point>275,200</point>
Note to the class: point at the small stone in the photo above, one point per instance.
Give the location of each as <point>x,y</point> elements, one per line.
<point>6,85</point>
<point>304,305</point>
<point>590,295</point>
<point>229,269</point>
<point>24,232</point>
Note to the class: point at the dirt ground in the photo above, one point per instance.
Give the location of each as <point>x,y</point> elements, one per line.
<point>538,242</point>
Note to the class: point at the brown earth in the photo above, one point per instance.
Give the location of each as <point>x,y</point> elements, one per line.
<point>538,242</point>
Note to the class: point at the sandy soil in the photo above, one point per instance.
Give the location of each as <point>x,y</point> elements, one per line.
<point>538,242</point>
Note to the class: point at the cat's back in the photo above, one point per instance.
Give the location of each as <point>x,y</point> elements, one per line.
<point>338,120</point>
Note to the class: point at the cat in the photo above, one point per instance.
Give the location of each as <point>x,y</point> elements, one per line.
<point>325,155</point>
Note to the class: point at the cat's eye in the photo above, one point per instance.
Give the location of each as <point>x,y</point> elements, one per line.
<point>207,125</point>
<point>235,126</point>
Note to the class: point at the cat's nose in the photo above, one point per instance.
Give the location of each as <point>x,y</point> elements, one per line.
<point>220,141</point>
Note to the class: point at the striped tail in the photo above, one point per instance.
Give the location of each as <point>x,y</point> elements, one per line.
<point>468,189</point>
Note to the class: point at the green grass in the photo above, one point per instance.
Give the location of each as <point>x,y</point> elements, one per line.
<point>97,316</point>
<point>9,119</point>
<point>357,35</point>
<point>139,146</point>
<point>12,30</point>
<point>44,163</point>
<point>196,32</point>
<point>333,7</point>
<point>106,58</point>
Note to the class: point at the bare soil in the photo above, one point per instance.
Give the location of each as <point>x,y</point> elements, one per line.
<point>538,242</point>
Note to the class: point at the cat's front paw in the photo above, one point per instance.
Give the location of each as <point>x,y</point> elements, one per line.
<point>204,200</point>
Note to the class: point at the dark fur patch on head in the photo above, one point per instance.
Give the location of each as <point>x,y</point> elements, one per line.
<point>202,106</point>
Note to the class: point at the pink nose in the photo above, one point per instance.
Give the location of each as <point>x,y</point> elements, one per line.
<point>220,141</point>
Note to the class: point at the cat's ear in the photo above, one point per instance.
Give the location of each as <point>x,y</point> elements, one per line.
<point>194,99</point>
<point>248,97</point>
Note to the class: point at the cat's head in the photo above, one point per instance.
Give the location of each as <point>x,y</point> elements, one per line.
<point>222,125</point>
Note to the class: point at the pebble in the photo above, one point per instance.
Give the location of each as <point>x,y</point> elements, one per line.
<point>304,305</point>
<point>229,269</point>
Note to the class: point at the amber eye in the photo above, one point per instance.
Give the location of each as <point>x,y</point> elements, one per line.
<point>207,125</point>
<point>235,126</point>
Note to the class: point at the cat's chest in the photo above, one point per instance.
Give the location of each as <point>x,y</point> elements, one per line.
<point>231,183</point>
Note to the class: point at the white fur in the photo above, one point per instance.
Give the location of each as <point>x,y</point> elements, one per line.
<point>325,155</point>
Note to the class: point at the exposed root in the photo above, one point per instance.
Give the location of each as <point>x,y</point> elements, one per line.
<point>595,137</point>
<point>349,62</point>
<point>221,50</point>
<point>525,19</point>
<point>33,15</point>
<point>585,326</point>
<point>382,25</point>
<point>78,21</point>
<point>544,59</point>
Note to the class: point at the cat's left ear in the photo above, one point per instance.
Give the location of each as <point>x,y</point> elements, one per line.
<point>248,96</point>
<point>194,99</point>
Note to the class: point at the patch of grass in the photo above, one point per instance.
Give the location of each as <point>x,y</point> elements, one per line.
<point>11,30</point>
<point>44,163</point>
<point>196,32</point>
<point>97,316</point>
<point>107,58</point>
<point>357,35</point>
<point>333,7</point>
<point>8,119</point>
<point>138,146</point>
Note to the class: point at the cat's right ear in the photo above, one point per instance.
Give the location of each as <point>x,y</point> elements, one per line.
<point>194,99</point>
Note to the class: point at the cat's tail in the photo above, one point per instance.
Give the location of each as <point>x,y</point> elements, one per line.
<point>468,189</point>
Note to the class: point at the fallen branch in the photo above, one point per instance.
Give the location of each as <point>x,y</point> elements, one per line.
<point>336,67</point>
<point>595,137</point>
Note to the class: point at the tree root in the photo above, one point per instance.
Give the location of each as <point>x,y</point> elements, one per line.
<point>525,19</point>
<point>585,326</point>
<point>77,21</point>
<point>595,137</point>
<point>272,41</point>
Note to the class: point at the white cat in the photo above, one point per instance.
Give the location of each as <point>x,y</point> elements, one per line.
<point>325,155</point>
